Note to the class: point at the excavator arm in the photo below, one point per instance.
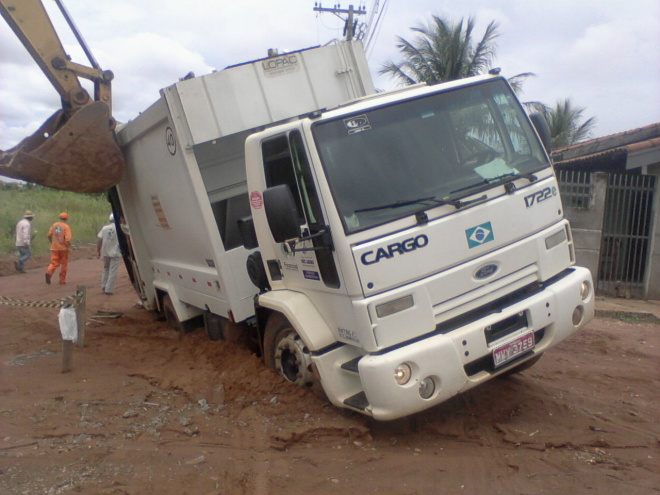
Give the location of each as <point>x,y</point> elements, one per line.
<point>75,149</point>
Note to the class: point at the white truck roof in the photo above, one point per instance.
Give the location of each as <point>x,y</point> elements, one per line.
<point>271,90</point>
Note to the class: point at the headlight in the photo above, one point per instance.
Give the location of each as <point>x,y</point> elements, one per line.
<point>585,290</point>
<point>389,308</point>
<point>402,373</point>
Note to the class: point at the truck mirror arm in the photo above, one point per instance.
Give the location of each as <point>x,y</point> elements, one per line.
<point>323,234</point>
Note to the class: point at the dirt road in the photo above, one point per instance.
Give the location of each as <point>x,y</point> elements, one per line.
<point>147,411</point>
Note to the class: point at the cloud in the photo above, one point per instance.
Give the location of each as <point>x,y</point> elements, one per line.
<point>620,47</point>
<point>25,106</point>
<point>603,55</point>
<point>143,64</point>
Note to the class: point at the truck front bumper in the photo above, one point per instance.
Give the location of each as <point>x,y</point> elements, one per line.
<point>447,364</point>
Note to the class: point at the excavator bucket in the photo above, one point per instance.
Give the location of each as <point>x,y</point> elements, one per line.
<point>80,155</point>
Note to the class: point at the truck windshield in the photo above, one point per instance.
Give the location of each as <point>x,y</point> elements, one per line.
<point>395,160</point>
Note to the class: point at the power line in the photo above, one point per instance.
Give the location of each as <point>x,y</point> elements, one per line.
<point>350,23</point>
<point>374,29</point>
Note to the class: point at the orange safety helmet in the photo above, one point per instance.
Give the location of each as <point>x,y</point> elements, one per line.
<point>64,216</point>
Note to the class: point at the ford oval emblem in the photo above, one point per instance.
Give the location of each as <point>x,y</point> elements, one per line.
<point>485,271</point>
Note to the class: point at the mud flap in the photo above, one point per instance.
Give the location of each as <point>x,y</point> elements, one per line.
<point>80,156</point>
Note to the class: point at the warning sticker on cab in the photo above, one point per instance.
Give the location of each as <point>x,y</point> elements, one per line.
<point>359,123</point>
<point>256,200</point>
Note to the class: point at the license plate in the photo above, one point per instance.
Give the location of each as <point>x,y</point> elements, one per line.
<point>511,350</point>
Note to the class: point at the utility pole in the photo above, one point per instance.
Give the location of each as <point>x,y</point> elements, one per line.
<point>349,22</point>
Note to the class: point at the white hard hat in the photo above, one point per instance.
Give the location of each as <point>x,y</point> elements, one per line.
<point>111,218</point>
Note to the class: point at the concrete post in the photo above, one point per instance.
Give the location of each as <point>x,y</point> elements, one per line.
<point>587,225</point>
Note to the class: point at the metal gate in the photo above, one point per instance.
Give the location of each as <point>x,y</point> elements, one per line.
<point>626,235</point>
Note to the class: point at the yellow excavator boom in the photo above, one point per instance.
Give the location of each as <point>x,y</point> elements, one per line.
<point>75,149</point>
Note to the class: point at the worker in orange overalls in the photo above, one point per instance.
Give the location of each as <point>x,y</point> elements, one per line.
<point>60,237</point>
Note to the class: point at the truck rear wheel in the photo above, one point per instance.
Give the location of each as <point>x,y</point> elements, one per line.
<point>285,351</point>
<point>170,315</point>
<point>215,326</point>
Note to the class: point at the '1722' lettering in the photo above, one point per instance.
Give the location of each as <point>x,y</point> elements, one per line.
<point>540,196</point>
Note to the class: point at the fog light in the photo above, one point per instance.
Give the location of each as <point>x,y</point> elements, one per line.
<point>585,290</point>
<point>426,388</point>
<point>402,373</point>
<point>578,313</point>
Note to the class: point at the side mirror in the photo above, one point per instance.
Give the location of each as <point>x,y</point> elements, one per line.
<point>543,130</point>
<point>281,213</point>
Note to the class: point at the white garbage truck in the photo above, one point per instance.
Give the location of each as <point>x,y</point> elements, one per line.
<point>389,249</point>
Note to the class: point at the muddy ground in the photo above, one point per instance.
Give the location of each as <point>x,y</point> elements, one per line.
<point>145,410</point>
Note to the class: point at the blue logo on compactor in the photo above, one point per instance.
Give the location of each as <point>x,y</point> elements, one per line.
<point>481,234</point>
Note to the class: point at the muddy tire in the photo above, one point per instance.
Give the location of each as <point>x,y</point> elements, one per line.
<point>285,351</point>
<point>170,315</point>
<point>215,326</point>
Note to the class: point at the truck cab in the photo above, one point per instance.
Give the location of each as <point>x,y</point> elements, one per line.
<point>414,245</point>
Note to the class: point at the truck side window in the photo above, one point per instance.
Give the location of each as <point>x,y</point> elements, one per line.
<point>278,168</point>
<point>305,180</point>
<point>285,162</point>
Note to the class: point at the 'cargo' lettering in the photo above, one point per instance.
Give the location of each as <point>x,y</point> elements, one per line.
<point>388,252</point>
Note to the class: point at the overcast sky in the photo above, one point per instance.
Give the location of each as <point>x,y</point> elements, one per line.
<point>603,54</point>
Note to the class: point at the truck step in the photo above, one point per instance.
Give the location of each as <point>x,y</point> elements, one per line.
<point>351,365</point>
<point>357,401</point>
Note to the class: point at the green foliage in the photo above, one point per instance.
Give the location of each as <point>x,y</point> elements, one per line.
<point>87,214</point>
<point>567,124</point>
<point>442,51</point>
<point>566,121</point>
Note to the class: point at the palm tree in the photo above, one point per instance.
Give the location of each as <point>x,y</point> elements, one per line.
<point>445,52</point>
<point>566,123</point>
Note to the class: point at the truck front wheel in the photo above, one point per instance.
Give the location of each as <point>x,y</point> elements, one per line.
<point>285,351</point>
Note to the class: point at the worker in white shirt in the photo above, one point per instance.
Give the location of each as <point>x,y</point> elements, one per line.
<point>108,249</point>
<point>24,240</point>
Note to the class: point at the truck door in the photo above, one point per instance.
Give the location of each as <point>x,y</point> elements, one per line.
<point>285,162</point>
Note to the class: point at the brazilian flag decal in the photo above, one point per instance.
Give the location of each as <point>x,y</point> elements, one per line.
<point>481,234</point>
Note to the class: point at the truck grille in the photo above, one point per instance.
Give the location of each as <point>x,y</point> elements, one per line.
<point>497,305</point>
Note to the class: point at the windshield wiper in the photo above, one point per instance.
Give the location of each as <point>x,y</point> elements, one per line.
<point>510,175</point>
<point>406,202</point>
<point>515,175</point>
